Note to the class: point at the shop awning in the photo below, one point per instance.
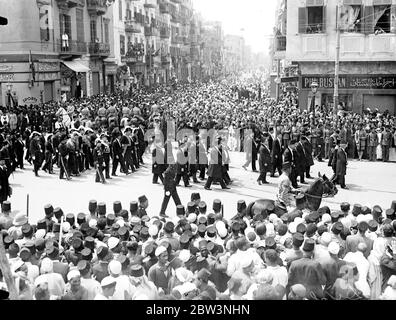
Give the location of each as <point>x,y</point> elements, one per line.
<point>76,66</point>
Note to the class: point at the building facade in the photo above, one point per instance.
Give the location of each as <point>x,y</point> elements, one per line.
<point>367,51</point>
<point>54,48</point>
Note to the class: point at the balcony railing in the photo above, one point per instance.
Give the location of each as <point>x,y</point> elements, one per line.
<point>165,58</point>
<point>280,43</point>
<point>177,39</point>
<point>164,8</point>
<point>99,49</point>
<point>150,4</point>
<point>165,33</point>
<point>67,4</point>
<point>71,47</point>
<point>150,31</point>
<point>96,7</point>
<point>132,26</point>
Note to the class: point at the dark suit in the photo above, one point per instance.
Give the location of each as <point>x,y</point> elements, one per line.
<point>264,162</point>
<point>310,274</point>
<point>341,166</point>
<point>169,189</point>
<point>118,157</point>
<point>301,161</point>
<point>158,166</point>
<point>290,156</point>
<point>386,142</point>
<point>276,157</point>
<point>308,156</point>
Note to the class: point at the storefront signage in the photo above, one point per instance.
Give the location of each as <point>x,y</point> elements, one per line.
<point>352,82</point>
<point>29,100</point>
<point>49,76</point>
<point>5,68</point>
<point>47,67</point>
<point>6,77</point>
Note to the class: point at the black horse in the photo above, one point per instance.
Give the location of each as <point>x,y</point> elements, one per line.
<point>310,198</point>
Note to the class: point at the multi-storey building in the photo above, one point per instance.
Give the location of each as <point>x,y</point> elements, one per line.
<point>367,51</point>
<point>53,47</point>
<point>213,43</point>
<point>234,50</point>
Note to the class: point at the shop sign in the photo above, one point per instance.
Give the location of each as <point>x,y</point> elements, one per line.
<point>352,82</point>
<point>30,100</point>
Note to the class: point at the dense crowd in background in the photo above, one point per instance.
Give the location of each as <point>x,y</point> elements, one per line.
<point>130,253</point>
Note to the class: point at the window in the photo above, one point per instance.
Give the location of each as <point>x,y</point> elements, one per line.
<point>120,9</point>
<point>351,18</point>
<point>382,19</point>
<point>94,35</point>
<point>128,12</point>
<point>122,45</point>
<point>80,25</point>
<point>312,19</point>
<point>106,32</point>
<point>65,24</point>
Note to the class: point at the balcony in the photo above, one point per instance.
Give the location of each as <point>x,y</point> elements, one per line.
<point>165,33</point>
<point>150,31</point>
<point>132,27</point>
<point>150,4</point>
<point>166,59</point>
<point>71,48</point>
<point>67,4</point>
<point>96,7</point>
<point>164,8</point>
<point>99,49</point>
<point>177,40</point>
<point>175,17</point>
<point>139,18</point>
<point>280,43</point>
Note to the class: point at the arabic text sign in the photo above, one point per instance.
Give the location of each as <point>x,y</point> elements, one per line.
<point>352,82</point>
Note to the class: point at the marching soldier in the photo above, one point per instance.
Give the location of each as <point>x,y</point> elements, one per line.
<point>373,144</point>
<point>106,154</point>
<point>35,151</point>
<point>49,153</point>
<point>64,154</point>
<point>118,157</point>
<point>99,161</point>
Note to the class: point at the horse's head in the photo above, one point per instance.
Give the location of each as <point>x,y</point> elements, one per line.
<point>329,187</point>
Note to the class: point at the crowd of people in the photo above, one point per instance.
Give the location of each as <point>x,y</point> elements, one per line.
<point>196,253</point>
<point>123,254</point>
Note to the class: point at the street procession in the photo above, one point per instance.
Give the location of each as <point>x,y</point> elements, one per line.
<point>222,175</point>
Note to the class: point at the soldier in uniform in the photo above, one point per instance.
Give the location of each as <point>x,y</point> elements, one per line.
<point>386,142</point>
<point>63,158</point>
<point>99,161</point>
<point>49,154</point>
<point>215,170</point>
<point>308,155</point>
<point>320,143</point>
<point>19,149</point>
<point>127,144</point>
<point>202,158</point>
<point>361,141</point>
<point>286,136</point>
<point>373,144</point>
<point>301,161</point>
<point>106,154</point>
<point>5,190</point>
<point>264,161</point>
<point>35,151</point>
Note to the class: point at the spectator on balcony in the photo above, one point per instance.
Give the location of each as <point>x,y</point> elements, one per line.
<point>65,41</point>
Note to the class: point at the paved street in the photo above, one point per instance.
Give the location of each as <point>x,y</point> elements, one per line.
<point>370,184</point>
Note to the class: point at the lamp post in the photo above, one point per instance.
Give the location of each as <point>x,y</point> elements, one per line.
<point>9,89</point>
<point>314,89</point>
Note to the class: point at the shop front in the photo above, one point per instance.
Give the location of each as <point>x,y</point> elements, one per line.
<point>73,79</point>
<point>356,92</point>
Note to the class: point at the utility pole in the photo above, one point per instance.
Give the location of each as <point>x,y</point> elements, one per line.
<point>337,62</point>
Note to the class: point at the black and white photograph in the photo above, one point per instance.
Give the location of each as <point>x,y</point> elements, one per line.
<point>197,150</point>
